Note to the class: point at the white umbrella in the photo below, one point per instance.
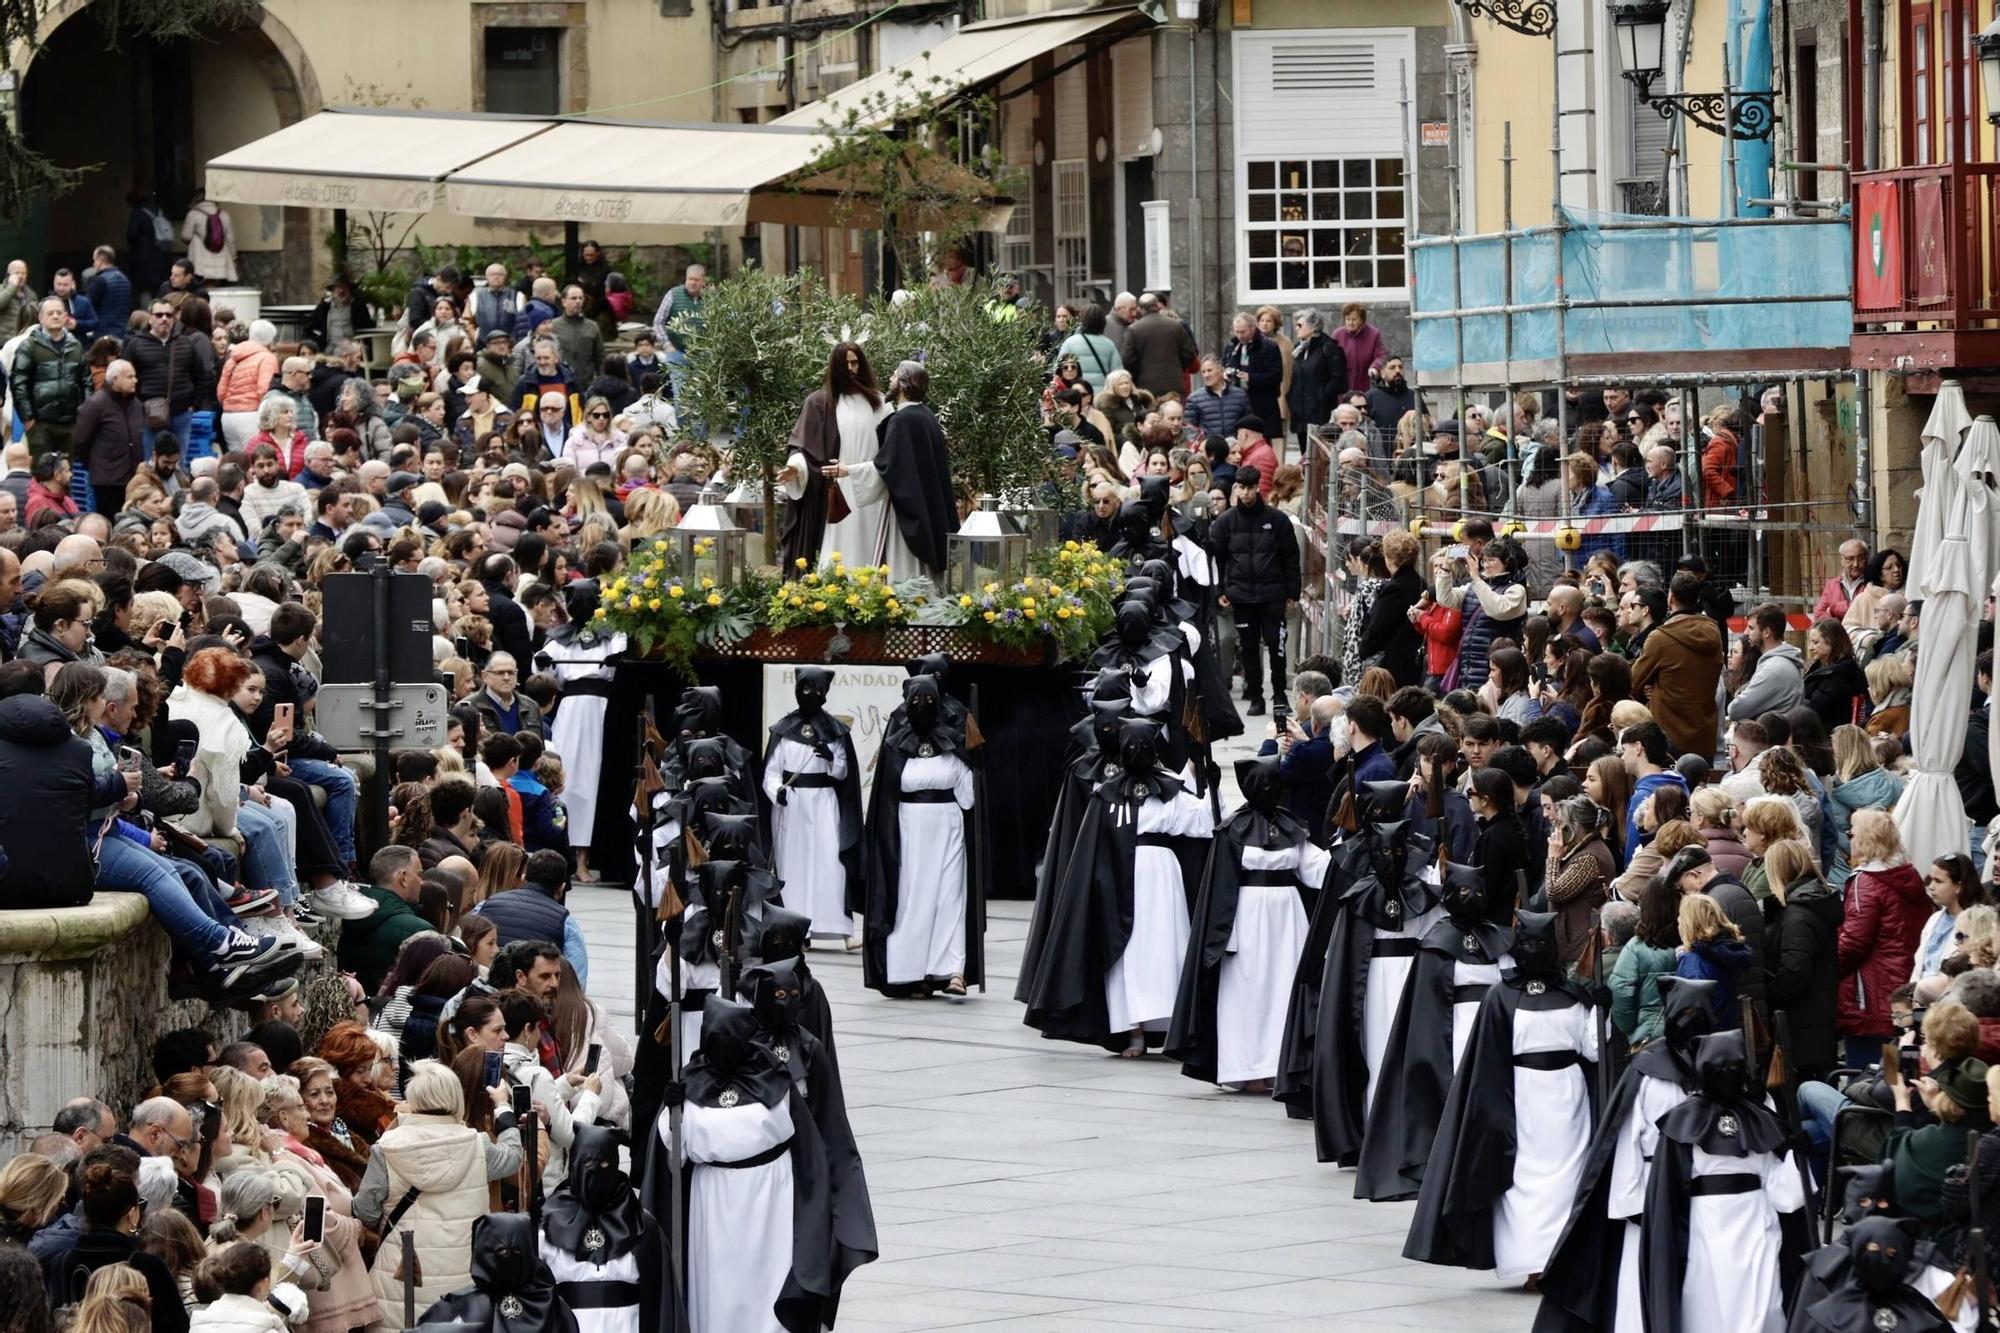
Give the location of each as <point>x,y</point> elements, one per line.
<point>1947,424</point>
<point>1931,814</point>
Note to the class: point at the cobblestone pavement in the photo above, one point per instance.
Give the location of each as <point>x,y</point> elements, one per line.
<point>1021,1184</point>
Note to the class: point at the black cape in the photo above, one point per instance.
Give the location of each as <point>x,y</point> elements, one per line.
<point>1324,1066</point>
<point>511,1291</point>
<point>1728,1130</point>
<point>1417,1068</point>
<point>597,1236</point>
<point>882,855</point>
<point>1472,1163</point>
<point>1091,918</point>
<point>829,734</point>
<point>917,473</point>
<point>1192,1037</point>
<point>1580,1285</point>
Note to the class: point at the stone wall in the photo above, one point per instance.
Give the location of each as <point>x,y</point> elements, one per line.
<point>83,996</point>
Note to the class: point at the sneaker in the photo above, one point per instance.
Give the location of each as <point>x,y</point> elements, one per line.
<point>281,929</point>
<point>303,915</point>
<point>342,901</point>
<point>243,947</point>
<point>249,902</point>
<point>236,983</point>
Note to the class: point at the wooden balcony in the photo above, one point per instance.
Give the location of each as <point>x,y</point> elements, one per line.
<point>1927,267</point>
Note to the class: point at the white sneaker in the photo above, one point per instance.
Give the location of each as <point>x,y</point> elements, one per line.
<point>342,900</point>
<point>290,939</point>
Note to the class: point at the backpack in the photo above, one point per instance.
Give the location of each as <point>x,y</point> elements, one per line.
<point>163,230</point>
<point>216,235</point>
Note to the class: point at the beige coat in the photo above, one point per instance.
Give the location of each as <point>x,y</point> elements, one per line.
<point>446,1159</point>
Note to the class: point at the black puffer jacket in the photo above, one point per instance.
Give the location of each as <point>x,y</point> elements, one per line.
<point>44,823</point>
<point>1258,552</point>
<point>1831,689</point>
<point>1801,958</point>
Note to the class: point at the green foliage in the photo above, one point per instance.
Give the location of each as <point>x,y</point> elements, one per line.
<point>986,375</point>
<point>904,159</point>
<point>661,612</point>
<point>761,349</point>
<point>28,178</point>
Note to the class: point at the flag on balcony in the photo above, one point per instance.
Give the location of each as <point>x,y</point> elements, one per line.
<point>1878,258</point>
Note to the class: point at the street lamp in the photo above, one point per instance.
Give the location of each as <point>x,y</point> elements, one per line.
<point>1989,68</point>
<point>1642,42</point>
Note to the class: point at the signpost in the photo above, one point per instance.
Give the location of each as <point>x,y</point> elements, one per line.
<point>379,687</point>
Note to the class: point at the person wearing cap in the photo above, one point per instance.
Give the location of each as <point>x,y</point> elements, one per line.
<point>396,506</point>
<point>1005,307</point>
<point>483,414</point>
<point>1254,443</point>
<point>495,364</point>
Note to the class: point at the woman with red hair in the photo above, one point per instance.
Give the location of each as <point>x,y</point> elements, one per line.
<point>360,1066</point>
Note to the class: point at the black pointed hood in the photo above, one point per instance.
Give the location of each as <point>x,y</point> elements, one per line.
<point>810,687</point>
<point>1726,1114</point>
<point>1871,1192</point>
<point>785,934</point>
<point>1462,894</point>
<point>734,1065</point>
<point>922,727</point>
<point>699,712</point>
<point>730,837</point>
<point>1687,1008</point>
<point>775,992</point>
<point>1262,820</point>
<point>595,1215</point>
<point>1142,775</point>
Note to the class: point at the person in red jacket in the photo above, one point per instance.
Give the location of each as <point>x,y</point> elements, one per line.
<point>1718,463</point>
<point>1880,928</point>
<point>1441,626</point>
<point>1252,438</point>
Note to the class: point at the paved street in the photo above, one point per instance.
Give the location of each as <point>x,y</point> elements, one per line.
<point>1021,1184</point>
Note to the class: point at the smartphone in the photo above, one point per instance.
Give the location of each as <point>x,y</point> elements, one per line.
<point>523,1099</point>
<point>313,1226</point>
<point>1280,715</point>
<point>463,647</point>
<point>1909,1064</point>
<point>493,1069</point>
<point>128,759</point>
<point>282,713</point>
<point>590,1061</point>
<point>184,757</point>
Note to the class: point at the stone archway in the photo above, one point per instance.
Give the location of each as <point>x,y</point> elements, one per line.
<point>156,122</point>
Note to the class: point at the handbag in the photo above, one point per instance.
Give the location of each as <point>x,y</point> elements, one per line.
<point>160,411</point>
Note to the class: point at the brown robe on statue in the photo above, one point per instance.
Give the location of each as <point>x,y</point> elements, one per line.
<point>816,435</point>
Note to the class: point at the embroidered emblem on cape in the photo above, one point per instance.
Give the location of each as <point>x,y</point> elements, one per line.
<point>1471,943</point>
<point>511,1307</point>
<point>926,751</point>
<point>727,1099</point>
<point>807,731</point>
<point>1726,1126</point>
<point>1886,1320</point>
<point>593,1240</point>
<point>716,939</point>
<point>1393,910</point>
<point>1537,988</point>
<point>783,1052</point>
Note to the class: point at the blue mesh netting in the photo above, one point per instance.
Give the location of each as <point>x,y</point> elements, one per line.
<point>1685,263</point>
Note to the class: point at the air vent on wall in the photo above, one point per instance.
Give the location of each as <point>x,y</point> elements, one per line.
<point>1323,67</point>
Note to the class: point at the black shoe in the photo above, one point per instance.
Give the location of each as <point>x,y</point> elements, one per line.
<point>1256,708</point>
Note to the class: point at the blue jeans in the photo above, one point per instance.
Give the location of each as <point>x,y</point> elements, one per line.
<point>267,850</point>
<point>341,799</point>
<point>127,867</point>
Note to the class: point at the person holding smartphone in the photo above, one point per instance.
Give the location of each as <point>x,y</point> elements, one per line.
<point>1937,1111</point>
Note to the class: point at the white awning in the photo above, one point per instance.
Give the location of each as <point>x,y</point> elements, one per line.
<point>377,160</point>
<point>977,54</point>
<point>663,175</point>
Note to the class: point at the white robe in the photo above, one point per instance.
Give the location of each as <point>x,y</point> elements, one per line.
<point>577,734</point>
<point>1551,1139</point>
<point>1253,987</point>
<point>1386,982</point>
<point>1464,1011</point>
<point>805,836</point>
<point>1142,983</point>
<point>565,1267</point>
<point>739,1248</point>
<point>1731,1283</point>
<point>928,940</point>
<point>855,536</point>
<point>1631,1173</point>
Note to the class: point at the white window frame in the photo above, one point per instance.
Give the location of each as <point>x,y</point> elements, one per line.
<point>1017,242</point>
<point>1398,44</point>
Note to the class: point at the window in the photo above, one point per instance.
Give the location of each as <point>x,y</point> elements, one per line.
<point>1805,110</point>
<point>1325,223</point>
<point>1072,229</point>
<point>524,71</point>
<point>1322,146</point>
<point>1919,86</point>
<point>1017,244</point>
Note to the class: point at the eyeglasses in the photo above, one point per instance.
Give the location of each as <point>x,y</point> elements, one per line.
<point>599,416</point>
